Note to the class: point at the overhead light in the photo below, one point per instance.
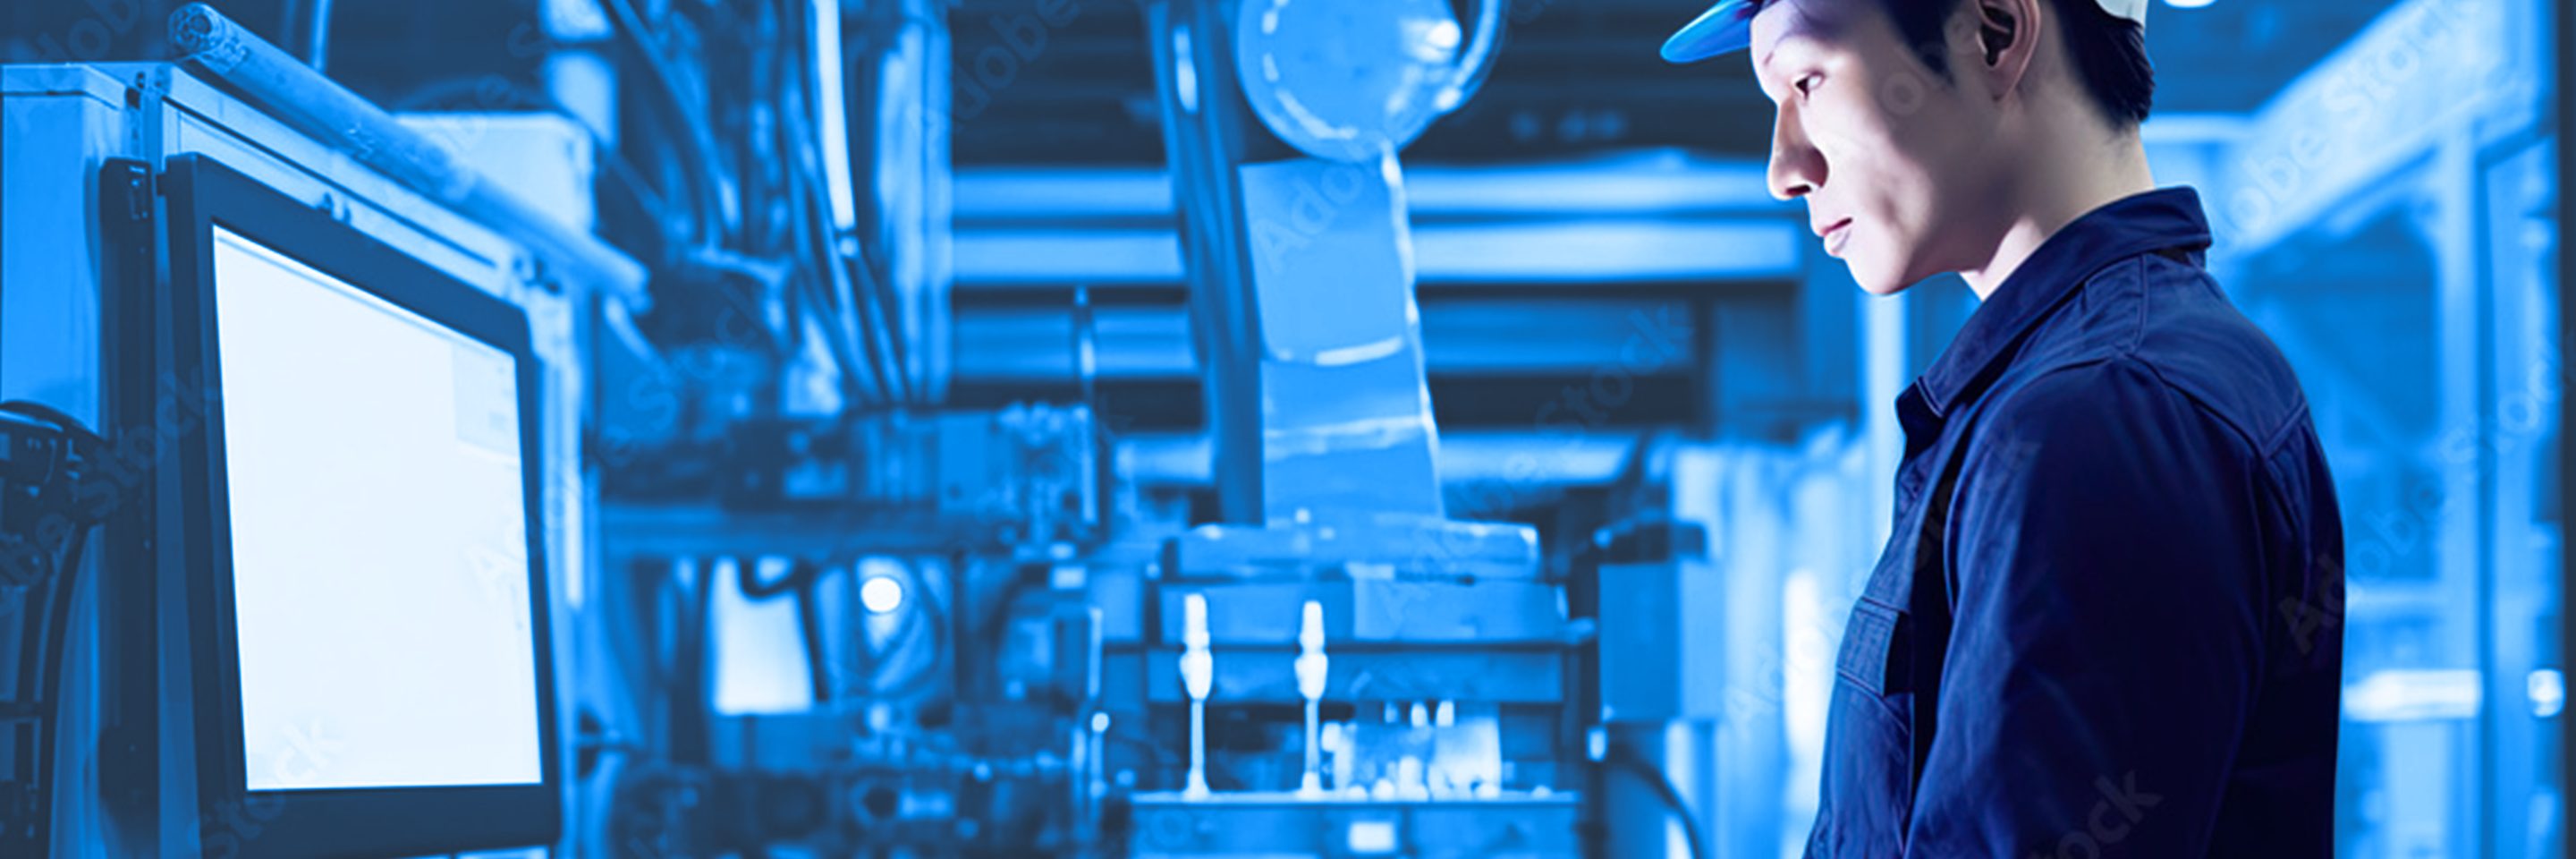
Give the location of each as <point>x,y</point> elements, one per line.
<point>2188,4</point>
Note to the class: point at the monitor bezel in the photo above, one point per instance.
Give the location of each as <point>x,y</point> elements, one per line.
<point>201,193</point>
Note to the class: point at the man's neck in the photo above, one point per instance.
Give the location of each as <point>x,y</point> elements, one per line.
<point>2092,173</point>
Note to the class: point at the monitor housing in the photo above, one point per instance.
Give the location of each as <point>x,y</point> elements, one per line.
<point>322,803</point>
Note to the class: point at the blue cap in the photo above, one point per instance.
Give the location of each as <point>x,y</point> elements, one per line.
<point>1724,29</point>
<point>1728,27</point>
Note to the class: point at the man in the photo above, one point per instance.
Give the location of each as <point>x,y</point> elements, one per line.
<point>2107,623</point>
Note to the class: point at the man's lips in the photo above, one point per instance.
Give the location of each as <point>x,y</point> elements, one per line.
<point>1835,234</point>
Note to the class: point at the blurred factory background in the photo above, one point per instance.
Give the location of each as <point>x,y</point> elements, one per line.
<point>1016,428</point>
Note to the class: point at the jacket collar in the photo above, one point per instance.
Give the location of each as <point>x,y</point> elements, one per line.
<point>2144,223</point>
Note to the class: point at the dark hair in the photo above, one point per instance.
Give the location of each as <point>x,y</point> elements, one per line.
<point>2110,53</point>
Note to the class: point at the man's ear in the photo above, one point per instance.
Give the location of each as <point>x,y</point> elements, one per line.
<point>2002,39</point>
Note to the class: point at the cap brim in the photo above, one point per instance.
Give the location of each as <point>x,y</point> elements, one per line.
<point>1724,29</point>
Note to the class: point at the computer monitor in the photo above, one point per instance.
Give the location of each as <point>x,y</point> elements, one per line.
<point>362,517</point>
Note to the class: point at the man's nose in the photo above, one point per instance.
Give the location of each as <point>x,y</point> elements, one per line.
<point>1796,167</point>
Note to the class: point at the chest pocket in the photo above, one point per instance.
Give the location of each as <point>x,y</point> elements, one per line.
<point>1899,633</point>
<point>1875,654</point>
<point>1879,644</point>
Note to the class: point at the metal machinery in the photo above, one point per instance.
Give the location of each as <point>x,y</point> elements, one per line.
<point>880,535</point>
<point>806,602</point>
<point>1015,642</point>
<point>85,145</point>
<point>1359,674</point>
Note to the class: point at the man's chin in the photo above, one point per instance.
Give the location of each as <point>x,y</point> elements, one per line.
<point>1879,280</point>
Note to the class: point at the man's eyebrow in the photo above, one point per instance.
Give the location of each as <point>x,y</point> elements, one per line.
<point>1797,36</point>
<point>1802,27</point>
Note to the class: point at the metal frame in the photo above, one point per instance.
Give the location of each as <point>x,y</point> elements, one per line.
<point>2562,26</point>
<point>391,821</point>
<point>1209,133</point>
<point>302,97</point>
<point>65,122</point>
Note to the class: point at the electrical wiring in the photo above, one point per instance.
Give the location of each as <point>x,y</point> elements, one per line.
<point>809,634</point>
<point>799,582</point>
<point>41,656</point>
<point>29,719</point>
<point>861,298</point>
<point>646,197</point>
<point>839,328</point>
<point>861,333</point>
<point>865,350</point>
<point>860,351</point>
<point>69,425</point>
<point>478,93</point>
<point>991,631</point>
<point>1665,792</point>
<point>920,614</point>
<point>800,576</point>
<point>836,340</point>
<point>697,135</point>
<point>874,339</point>
<point>58,617</point>
<point>863,372</point>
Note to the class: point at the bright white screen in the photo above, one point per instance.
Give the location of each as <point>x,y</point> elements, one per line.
<point>380,563</point>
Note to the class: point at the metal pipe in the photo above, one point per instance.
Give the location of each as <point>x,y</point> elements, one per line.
<point>1206,133</point>
<point>230,55</point>
<point>304,29</point>
<point>317,38</point>
<point>2562,25</point>
<point>1478,61</point>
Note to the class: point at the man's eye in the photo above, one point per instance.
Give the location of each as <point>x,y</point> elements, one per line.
<point>1807,85</point>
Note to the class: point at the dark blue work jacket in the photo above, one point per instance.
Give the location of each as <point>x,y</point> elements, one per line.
<point>2108,622</point>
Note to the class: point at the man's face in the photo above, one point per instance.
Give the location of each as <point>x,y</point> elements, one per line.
<point>1891,158</point>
